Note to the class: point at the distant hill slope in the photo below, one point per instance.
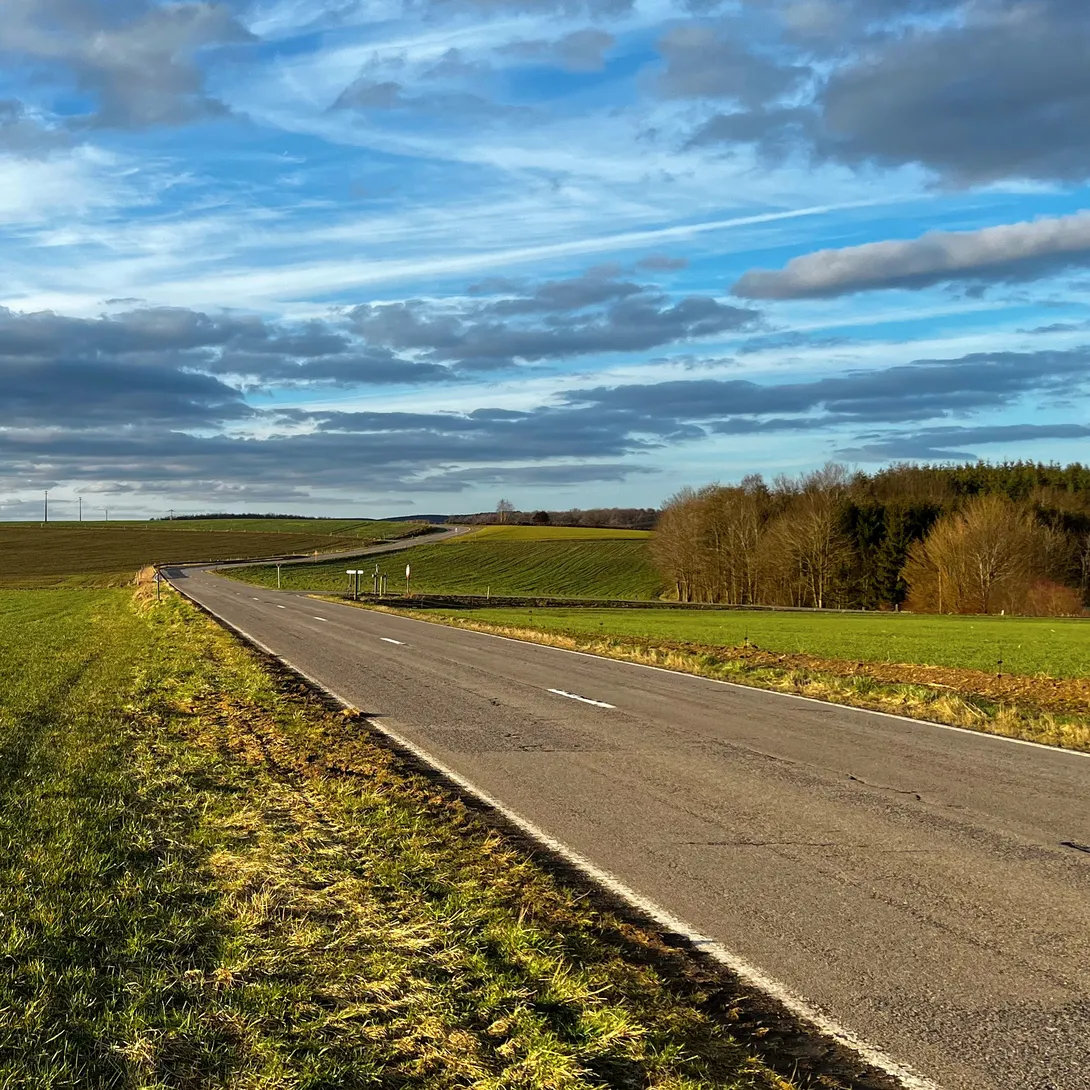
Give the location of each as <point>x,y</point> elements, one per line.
<point>369,529</point>
<point>565,562</point>
<point>96,554</point>
<point>554,533</point>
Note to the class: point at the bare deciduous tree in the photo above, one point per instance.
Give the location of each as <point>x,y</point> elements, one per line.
<point>676,545</point>
<point>978,559</point>
<point>1084,567</point>
<point>810,542</point>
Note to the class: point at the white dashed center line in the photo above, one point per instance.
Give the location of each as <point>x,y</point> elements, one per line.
<point>257,599</point>
<point>386,639</point>
<point>582,699</point>
<point>317,618</point>
<point>281,607</point>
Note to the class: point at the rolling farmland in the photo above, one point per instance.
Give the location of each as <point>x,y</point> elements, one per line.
<point>365,529</point>
<point>564,562</point>
<point>89,554</point>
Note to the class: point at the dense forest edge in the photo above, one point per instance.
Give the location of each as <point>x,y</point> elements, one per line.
<point>978,538</point>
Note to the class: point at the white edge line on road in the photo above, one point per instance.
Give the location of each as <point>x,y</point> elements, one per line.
<point>910,1079</point>
<point>581,699</point>
<point>828,704</point>
<point>386,639</point>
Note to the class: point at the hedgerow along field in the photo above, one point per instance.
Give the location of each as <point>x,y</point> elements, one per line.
<point>1056,647</point>
<point>95,554</point>
<point>210,880</point>
<point>562,562</point>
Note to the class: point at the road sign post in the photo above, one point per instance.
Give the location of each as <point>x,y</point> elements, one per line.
<point>354,582</point>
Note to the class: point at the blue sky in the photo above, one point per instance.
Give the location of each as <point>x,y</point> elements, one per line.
<point>361,257</point>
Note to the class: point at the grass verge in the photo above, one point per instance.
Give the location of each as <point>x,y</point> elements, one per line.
<point>210,879</point>
<point>1058,647</point>
<point>1046,710</point>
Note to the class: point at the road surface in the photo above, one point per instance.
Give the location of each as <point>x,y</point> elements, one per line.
<point>923,886</point>
<point>362,550</point>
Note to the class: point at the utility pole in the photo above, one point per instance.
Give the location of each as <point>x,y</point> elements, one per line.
<point>106,512</point>
<point>81,508</point>
<point>46,517</point>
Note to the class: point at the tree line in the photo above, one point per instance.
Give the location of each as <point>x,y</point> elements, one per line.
<point>977,538</point>
<point>609,518</point>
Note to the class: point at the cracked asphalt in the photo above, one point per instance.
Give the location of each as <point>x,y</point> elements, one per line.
<point>923,886</point>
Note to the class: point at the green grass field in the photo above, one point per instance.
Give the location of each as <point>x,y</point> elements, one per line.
<point>368,529</point>
<point>92,554</point>
<point>557,533</point>
<point>1026,645</point>
<point>503,560</point>
<point>210,880</point>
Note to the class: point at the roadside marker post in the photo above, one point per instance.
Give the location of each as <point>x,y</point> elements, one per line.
<point>407,572</point>
<point>277,576</point>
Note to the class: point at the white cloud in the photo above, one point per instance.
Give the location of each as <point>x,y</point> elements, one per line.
<point>1007,252</point>
<point>73,183</point>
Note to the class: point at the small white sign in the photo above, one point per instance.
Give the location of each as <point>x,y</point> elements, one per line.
<point>407,571</point>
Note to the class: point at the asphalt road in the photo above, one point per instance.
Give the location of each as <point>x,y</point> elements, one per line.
<point>363,550</point>
<point>910,881</point>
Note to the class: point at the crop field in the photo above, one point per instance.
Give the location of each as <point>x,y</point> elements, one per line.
<point>367,529</point>
<point>557,533</point>
<point>1013,645</point>
<point>503,560</point>
<point>209,880</point>
<point>109,554</point>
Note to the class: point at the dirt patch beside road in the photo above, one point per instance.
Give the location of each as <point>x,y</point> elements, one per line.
<point>1060,696</point>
